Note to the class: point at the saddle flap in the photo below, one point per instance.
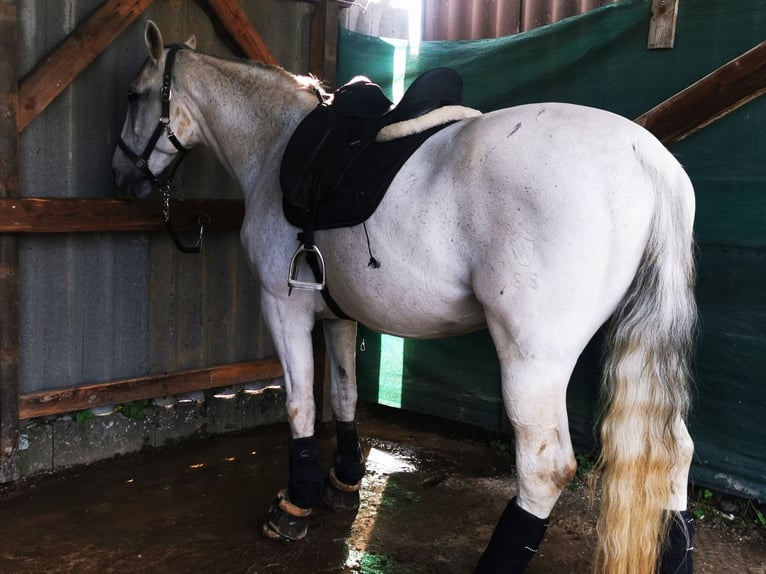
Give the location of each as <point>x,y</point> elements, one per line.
<point>308,148</point>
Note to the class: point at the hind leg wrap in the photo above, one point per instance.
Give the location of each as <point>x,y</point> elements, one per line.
<point>514,542</point>
<point>677,553</point>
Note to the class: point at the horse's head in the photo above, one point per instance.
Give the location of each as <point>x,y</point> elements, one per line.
<point>156,130</point>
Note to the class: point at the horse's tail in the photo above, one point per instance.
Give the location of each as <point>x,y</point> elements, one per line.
<point>646,387</point>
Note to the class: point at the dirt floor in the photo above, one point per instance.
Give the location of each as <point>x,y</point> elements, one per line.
<point>429,503</point>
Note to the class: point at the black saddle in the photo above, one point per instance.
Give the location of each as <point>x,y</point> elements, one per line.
<point>333,173</point>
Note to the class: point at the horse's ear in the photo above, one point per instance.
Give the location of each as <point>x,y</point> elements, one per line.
<point>191,42</point>
<point>153,39</point>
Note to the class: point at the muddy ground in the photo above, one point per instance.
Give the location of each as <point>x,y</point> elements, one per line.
<point>429,503</point>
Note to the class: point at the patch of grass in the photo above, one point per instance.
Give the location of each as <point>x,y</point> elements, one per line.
<point>718,508</point>
<point>81,417</point>
<point>134,410</point>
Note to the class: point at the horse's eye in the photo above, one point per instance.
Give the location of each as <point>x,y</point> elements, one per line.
<point>132,96</point>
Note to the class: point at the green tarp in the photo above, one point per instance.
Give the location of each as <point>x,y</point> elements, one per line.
<point>600,59</point>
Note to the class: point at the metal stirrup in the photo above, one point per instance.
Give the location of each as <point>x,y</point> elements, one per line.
<point>301,254</point>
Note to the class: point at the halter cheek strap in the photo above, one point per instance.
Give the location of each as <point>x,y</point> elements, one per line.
<point>142,161</point>
<point>163,125</point>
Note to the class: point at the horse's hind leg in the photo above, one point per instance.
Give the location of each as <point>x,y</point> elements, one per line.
<point>534,394</point>
<point>341,490</point>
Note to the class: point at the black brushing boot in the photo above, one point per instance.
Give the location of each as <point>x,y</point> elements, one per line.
<point>289,514</point>
<point>514,542</point>
<point>341,489</point>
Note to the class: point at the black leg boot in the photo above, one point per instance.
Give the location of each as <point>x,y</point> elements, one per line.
<point>341,489</point>
<point>289,514</point>
<point>677,554</point>
<point>514,542</point>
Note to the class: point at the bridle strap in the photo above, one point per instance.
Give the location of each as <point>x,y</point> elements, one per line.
<point>142,161</point>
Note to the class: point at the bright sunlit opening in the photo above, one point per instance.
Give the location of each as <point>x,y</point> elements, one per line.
<point>391,371</point>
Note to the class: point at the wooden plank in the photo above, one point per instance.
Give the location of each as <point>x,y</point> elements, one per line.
<point>324,41</point>
<point>9,254</point>
<point>52,76</point>
<point>229,16</point>
<point>720,92</point>
<point>66,215</point>
<point>662,26</point>
<point>71,399</point>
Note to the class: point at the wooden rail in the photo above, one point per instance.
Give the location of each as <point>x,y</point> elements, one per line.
<point>38,215</point>
<point>71,399</point>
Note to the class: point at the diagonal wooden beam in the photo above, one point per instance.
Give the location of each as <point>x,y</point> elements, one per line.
<point>53,75</point>
<point>717,94</point>
<point>228,14</point>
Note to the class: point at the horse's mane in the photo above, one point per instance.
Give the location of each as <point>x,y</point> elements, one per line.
<point>309,83</point>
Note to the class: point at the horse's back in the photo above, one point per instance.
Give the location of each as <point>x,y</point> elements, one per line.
<point>544,207</point>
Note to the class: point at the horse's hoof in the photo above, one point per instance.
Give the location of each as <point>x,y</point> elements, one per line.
<point>285,521</point>
<point>338,496</point>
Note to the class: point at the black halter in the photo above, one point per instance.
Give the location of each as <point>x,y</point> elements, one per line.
<point>141,161</point>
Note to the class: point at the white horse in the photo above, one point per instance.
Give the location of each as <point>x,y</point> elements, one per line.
<point>540,222</point>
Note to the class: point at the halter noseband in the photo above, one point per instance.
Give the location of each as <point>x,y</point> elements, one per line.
<point>142,161</point>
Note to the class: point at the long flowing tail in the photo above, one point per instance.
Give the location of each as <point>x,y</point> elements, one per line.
<point>646,388</point>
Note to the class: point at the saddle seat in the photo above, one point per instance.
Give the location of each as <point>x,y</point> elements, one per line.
<point>333,172</point>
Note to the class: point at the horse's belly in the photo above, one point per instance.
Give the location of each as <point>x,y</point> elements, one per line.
<point>408,295</point>
<point>425,322</point>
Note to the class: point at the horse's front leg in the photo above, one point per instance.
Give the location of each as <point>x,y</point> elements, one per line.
<point>341,491</point>
<point>290,326</point>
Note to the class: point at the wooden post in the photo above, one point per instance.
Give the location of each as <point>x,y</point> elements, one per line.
<point>9,254</point>
<point>662,27</point>
<point>54,74</point>
<point>324,41</point>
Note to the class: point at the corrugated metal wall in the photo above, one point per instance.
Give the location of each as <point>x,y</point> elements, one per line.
<point>99,306</point>
<point>474,19</point>
<point>462,19</point>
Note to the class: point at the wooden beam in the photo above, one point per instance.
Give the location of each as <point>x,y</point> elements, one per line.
<point>71,399</point>
<point>52,76</point>
<point>323,53</point>
<point>227,15</point>
<point>662,26</point>
<point>9,253</point>
<point>720,92</point>
<point>67,215</point>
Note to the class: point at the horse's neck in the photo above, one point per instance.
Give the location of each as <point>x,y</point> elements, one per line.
<point>246,114</point>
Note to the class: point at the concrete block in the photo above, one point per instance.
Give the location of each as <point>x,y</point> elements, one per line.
<point>223,415</point>
<point>98,438</point>
<point>183,420</point>
<point>35,447</point>
<point>263,408</point>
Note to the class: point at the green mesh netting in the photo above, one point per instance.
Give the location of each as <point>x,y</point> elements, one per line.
<point>600,59</point>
